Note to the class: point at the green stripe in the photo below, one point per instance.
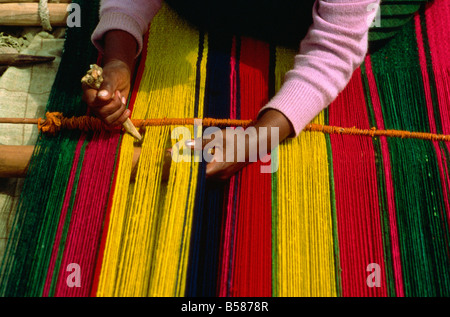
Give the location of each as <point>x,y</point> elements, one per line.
<point>337,259</point>
<point>25,263</point>
<point>417,188</point>
<point>67,222</point>
<point>393,16</point>
<point>437,117</point>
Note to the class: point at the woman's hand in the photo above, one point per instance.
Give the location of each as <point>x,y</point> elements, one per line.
<point>109,102</point>
<point>237,143</point>
<point>271,128</point>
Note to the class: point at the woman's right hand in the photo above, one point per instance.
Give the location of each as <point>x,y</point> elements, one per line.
<point>108,103</point>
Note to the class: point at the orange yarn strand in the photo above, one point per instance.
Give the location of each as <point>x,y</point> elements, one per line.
<point>55,121</point>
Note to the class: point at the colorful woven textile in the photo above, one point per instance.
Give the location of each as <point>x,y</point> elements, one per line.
<point>341,215</point>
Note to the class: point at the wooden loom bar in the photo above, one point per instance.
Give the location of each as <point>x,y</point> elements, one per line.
<point>23,59</point>
<point>26,14</point>
<point>19,120</point>
<point>15,160</point>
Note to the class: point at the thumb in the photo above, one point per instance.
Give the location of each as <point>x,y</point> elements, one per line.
<point>106,90</point>
<point>213,168</point>
<point>198,144</point>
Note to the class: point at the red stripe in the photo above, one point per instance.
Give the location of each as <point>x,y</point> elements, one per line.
<point>356,194</point>
<point>387,171</point>
<point>252,274</point>
<point>87,214</point>
<point>227,243</point>
<point>68,196</point>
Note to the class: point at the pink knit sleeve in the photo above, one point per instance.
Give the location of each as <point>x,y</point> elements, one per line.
<point>333,48</point>
<point>132,16</point>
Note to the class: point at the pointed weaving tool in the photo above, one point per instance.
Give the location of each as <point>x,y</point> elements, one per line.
<point>23,60</point>
<point>94,79</point>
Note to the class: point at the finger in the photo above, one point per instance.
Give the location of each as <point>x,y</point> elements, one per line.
<point>195,144</point>
<point>217,171</point>
<point>202,143</point>
<point>110,108</point>
<point>216,163</point>
<point>107,89</point>
<point>113,111</point>
<point>90,96</point>
<point>212,169</point>
<point>123,117</point>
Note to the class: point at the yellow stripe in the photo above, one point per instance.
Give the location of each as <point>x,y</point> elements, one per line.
<point>304,236</point>
<point>148,238</point>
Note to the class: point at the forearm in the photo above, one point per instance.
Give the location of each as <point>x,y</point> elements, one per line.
<point>120,46</point>
<point>274,120</point>
<point>131,16</point>
<point>334,47</point>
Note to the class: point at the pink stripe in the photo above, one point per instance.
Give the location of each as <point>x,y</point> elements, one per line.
<point>356,195</point>
<point>88,213</point>
<point>439,63</point>
<point>226,244</point>
<point>396,257</point>
<point>225,269</point>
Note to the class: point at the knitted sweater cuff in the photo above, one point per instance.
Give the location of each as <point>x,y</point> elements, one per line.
<point>298,102</point>
<point>111,21</point>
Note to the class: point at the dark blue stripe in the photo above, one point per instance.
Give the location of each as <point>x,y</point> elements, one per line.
<point>207,218</point>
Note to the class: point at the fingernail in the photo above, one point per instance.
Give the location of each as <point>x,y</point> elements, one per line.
<point>189,143</point>
<point>127,112</point>
<point>102,93</point>
<point>124,100</point>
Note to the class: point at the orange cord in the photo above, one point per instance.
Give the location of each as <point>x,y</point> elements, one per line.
<point>55,121</point>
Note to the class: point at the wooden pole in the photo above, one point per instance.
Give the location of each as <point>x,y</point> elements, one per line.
<point>26,14</point>
<point>36,1</point>
<point>23,60</point>
<point>15,159</point>
<point>19,120</point>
